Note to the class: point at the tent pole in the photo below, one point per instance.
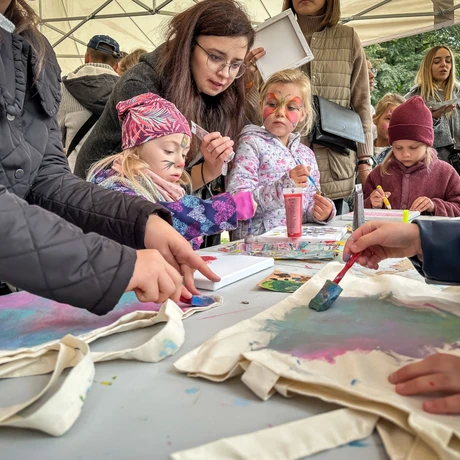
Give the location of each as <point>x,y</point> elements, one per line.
<point>59,31</point>
<point>368,10</point>
<point>88,18</point>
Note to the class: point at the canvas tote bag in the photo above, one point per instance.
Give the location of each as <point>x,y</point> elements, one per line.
<point>28,319</point>
<point>344,356</point>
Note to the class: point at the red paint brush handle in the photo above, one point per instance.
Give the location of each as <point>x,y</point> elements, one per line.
<point>347,267</point>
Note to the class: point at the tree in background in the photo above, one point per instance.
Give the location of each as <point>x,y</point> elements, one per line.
<point>397,61</point>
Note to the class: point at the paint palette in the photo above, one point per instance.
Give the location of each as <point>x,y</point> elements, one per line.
<point>302,250</point>
<point>283,282</point>
<point>315,234</point>
<point>383,214</point>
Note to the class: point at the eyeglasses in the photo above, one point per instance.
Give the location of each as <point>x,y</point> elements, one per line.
<point>217,63</point>
<point>373,71</point>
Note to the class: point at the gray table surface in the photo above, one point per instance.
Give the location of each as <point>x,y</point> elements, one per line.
<point>151,410</point>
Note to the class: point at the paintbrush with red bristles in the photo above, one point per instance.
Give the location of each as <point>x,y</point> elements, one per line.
<point>331,289</point>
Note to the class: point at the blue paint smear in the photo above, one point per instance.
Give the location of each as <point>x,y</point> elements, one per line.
<point>358,443</point>
<point>240,402</point>
<point>192,391</point>
<point>354,381</point>
<point>169,347</point>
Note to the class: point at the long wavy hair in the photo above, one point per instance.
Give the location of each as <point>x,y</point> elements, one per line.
<point>332,15</point>
<point>424,77</point>
<point>225,111</point>
<point>298,78</point>
<point>26,21</point>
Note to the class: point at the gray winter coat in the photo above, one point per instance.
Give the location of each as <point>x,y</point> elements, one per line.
<point>40,251</point>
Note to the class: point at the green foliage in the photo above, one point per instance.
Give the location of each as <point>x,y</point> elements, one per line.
<point>398,61</point>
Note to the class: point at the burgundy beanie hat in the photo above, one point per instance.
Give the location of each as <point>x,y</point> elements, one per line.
<point>412,121</point>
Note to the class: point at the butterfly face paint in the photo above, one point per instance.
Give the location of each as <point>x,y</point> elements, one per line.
<point>290,107</point>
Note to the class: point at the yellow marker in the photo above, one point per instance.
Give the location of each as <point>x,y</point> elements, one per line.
<point>406,216</point>
<point>385,199</point>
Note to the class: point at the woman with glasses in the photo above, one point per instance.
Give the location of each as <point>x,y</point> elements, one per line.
<point>435,82</point>
<point>199,69</point>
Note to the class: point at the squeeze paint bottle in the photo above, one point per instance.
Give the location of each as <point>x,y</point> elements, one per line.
<point>293,198</point>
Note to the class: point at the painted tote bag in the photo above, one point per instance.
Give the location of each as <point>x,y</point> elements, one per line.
<point>39,336</point>
<point>343,355</point>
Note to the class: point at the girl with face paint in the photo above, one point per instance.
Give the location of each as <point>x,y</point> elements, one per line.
<point>272,158</point>
<point>155,141</point>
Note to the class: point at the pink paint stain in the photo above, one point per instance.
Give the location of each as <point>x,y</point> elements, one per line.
<point>208,259</point>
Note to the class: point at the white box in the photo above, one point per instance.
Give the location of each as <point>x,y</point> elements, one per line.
<point>230,268</point>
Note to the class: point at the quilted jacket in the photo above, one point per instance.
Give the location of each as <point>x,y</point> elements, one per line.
<point>39,250</point>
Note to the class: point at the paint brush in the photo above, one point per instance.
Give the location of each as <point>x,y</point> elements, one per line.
<point>318,191</point>
<point>331,289</point>
<point>198,301</point>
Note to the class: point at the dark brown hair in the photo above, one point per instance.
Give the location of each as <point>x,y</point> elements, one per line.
<point>225,111</point>
<point>332,15</point>
<point>101,56</point>
<point>26,21</point>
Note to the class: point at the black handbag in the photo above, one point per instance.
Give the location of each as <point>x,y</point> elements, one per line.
<point>336,127</point>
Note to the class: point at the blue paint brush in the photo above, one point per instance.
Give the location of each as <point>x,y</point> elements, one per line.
<point>198,301</point>
<point>331,289</point>
<point>318,191</point>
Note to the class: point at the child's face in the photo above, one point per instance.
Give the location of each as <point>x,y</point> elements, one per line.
<point>383,122</point>
<point>282,109</point>
<point>409,152</point>
<point>166,155</point>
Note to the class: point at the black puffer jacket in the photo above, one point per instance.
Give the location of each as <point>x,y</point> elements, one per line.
<point>39,251</point>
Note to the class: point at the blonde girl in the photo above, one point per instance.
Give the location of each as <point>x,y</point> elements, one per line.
<point>272,157</point>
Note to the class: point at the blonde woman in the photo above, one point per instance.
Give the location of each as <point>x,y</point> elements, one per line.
<point>435,82</point>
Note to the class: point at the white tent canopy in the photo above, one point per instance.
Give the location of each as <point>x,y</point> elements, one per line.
<point>69,24</point>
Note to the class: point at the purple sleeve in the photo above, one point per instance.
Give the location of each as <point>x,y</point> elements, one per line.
<point>193,217</point>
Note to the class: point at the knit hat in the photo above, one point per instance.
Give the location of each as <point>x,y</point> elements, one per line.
<point>147,117</point>
<point>412,121</point>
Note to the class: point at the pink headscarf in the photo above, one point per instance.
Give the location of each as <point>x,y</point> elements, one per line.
<point>147,117</point>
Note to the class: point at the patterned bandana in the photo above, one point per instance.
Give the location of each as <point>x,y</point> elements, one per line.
<point>147,117</point>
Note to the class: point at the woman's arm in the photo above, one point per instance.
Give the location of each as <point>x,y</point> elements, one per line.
<point>115,215</point>
<point>360,103</point>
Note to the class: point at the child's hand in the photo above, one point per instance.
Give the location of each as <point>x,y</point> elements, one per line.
<point>440,374</point>
<point>377,198</point>
<point>299,175</point>
<point>421,204</point>
<point>322,207</point>
<point>153,279</point>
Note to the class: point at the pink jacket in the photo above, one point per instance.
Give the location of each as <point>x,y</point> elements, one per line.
<point>440,183</point>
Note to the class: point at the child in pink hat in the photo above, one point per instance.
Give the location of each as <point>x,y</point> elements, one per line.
<point>411,176</point>
<point>155,141</point>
